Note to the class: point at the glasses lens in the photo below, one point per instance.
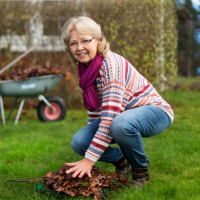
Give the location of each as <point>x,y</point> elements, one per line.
<point>73,44</point>
<point>83,43</point>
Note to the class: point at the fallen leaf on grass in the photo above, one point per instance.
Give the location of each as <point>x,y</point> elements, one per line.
<point>49,174</point>
<point>75,118</point>
<point>28,116</point>
<point>69,192</point>
<point>85,186</point>
<point>60,189</point>
<point>99,196</point>
<point>14,117</point>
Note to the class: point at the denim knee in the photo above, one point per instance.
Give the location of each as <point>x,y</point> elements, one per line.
<point>120,127</point>
<point>78,146</point>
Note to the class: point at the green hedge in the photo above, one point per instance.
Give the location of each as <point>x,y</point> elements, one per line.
<point>135,30</point>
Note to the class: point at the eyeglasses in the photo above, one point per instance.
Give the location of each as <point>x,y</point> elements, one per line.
<point>84,43</point>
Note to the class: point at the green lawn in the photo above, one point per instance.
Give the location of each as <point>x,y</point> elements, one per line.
<point>33,148</point>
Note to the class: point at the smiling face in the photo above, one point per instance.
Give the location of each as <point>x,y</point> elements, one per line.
<point>83,53</point>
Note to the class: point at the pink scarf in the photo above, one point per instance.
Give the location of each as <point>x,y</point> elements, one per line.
<point>87,80</point>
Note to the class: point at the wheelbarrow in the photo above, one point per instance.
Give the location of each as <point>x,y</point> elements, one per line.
<point>51,108</point>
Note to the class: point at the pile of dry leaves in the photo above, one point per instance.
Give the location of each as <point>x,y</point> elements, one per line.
<point>100,181</point>
<point>25,72</point>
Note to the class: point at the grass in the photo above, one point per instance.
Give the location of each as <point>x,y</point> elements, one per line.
<point>186,84</point>
<point>33,148</point>
<point>188,80</point>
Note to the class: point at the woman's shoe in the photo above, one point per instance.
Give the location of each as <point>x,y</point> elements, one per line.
<point>122,167</point>
<point>140,176</point>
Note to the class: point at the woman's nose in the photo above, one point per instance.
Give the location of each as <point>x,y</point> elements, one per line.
<point>79,46</point>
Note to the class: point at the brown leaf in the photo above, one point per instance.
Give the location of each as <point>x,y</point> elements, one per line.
<point>69,176</point>
<point>93,190</point>
<point>94,182</point>
<point>105,184</point>
<point>75,182</point>
<point>113,186</point>
<point>48,187</point>
<point>99,196</point>
<point>69,192</point>
<point>65,183</point>
<point>49,174</point>
<point>124,182</point>
<point>83,193</point>
<point>50,181</point>
<point>60,189</point>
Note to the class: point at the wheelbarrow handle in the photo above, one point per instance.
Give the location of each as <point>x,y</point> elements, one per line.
<point>19,58</point>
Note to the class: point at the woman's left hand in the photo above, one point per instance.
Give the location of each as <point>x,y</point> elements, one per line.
<point>80,168</point>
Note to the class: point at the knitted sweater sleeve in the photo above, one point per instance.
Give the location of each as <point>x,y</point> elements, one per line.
<point>92,116</point>
<point>113,93</point>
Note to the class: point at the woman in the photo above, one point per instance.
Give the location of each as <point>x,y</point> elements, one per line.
<point>122,105</point>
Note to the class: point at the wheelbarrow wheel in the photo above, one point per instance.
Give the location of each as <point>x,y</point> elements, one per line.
<point>46,115</point>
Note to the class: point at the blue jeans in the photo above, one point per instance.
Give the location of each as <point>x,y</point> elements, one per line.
<point>127,130</point>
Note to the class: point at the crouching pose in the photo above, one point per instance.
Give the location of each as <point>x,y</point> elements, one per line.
<point>122,105</point>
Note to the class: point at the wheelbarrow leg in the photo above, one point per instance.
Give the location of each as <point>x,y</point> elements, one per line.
<point>12,107</point>
<point>2,111</point>
<point>19,111</point>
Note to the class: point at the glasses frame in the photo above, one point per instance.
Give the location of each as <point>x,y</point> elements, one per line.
<point>90,40</point>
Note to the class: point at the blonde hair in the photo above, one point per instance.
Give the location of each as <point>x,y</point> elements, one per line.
<point>84,25</point>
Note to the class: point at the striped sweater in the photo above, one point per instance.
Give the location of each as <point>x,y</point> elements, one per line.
<point>119,87</point>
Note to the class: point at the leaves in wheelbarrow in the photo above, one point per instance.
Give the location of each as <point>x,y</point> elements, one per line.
<point>85,186</point>
<point>25,72</point>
